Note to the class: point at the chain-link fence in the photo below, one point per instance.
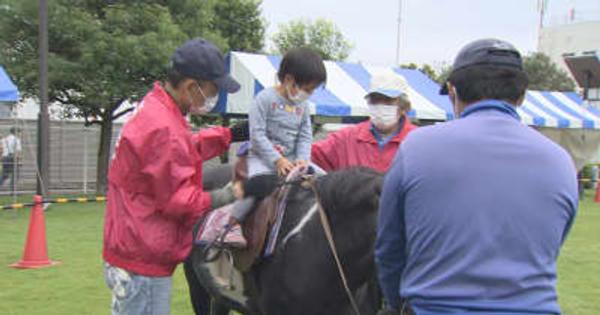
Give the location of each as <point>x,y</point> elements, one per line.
<point>73,157</point>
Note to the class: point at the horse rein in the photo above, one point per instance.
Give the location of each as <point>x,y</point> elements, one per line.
<point>311,180</point>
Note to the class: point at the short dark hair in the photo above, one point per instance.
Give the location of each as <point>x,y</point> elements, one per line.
<point>304,64</point>
<point>489,82</point>
<point>174,77</point>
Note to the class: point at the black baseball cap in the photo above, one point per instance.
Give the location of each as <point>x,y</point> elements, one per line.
<point>486,52</point>
<point>201,60</point>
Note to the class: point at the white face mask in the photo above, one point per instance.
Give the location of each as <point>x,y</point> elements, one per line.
<point>300,97</point>
<point>209,102</point>
<point>383,115</point>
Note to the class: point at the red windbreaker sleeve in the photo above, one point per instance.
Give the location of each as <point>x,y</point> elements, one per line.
<point>173,176</point>
<point>325,152</point>
<point>212,142</point>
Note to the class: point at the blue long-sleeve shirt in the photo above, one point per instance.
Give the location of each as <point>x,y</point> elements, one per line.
<point>472,216</point>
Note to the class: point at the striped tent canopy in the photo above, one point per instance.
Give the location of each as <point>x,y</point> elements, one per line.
<point>8,90</point>
<point>347,84</point>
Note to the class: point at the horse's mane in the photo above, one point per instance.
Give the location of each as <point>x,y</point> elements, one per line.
<point>351,188</point>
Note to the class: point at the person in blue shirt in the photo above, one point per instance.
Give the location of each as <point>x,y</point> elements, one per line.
<point>474,211</point>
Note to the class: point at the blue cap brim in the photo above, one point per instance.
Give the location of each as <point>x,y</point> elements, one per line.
<point>227,83</point>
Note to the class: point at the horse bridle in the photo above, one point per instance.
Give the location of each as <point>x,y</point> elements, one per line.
<point>311,180</point>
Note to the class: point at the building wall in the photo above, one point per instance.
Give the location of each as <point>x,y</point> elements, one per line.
<point>5,110</point>
<point>569,38</point>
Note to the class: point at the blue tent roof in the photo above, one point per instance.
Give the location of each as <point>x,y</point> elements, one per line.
<point>347,84</point>
<point>8,91</point>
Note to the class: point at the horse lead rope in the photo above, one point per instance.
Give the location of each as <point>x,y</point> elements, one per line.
<point>329,235</point>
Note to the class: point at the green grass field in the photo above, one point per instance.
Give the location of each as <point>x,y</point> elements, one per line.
<point>76,286</point>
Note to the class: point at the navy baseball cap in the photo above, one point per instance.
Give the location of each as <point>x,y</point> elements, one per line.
<point>201,60</point>
<point>486,52</point>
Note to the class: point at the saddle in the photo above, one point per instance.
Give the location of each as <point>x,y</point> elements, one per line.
<point>260,228</point>
<point>256,227</point>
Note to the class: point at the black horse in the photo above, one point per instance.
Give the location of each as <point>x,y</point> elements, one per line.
<point>301,277</point>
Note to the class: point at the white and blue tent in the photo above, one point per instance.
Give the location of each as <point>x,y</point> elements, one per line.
<point>347,84</point>
<point>8,91</point>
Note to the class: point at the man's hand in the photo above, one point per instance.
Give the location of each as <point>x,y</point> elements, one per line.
<point>284,166</point>
<point>240,132</point>
<point>221,197</point>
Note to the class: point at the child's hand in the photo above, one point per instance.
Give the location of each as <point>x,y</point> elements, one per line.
<point>284,166</point>
<point>302,163</point>
<point>238,189</point>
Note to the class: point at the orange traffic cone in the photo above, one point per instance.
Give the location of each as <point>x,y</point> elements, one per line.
<point>35,254</point>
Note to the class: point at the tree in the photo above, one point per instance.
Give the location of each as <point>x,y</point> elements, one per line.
<point>545,75</point>
<point>428,71</point>
<point>101,53</point>
<point>240,23</point>
<point>444,73</point>
<point>321,35</point>
<point>424,68</point>
<point>412,66</point>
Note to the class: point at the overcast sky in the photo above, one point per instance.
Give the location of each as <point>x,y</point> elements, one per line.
<point>432,30</point>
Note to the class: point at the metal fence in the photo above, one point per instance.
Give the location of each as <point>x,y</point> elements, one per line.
<point>73,156</point>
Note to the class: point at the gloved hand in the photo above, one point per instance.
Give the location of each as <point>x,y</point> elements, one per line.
<point>221,197</point>
<point>240,131</point>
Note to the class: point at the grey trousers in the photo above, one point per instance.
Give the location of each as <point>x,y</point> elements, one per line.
<point>241,208</point>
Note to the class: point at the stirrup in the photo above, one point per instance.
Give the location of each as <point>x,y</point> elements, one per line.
<point>219,245</point>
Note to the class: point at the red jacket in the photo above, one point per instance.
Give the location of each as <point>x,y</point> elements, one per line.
<point>356,146</point>
<point>155,190</point>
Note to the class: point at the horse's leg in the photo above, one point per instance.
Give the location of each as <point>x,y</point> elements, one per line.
<point>201,300</point>
<point>218,309</point>
<point>369,297</point>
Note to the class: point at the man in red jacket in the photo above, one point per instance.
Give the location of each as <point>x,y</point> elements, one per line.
<point>372,143</point>
<point>155,192</point>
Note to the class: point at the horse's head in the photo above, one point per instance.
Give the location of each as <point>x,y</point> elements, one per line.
<point>350,192</point>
